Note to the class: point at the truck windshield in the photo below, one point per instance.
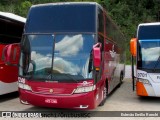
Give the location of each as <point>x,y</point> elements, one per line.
<point>60,57</point>
<point>149,52</point>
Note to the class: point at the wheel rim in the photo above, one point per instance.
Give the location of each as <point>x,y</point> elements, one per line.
<point>105,92</point>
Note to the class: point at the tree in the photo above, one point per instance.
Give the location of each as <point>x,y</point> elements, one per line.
<point>126,13</point>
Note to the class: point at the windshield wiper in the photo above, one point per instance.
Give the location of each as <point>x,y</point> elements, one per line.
<point>71,77</point>
<point>63,77</point>
<point>156,64</point>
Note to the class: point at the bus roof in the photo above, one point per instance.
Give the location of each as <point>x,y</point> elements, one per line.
<point>149,24</point>
<point>69,3</point>
<point>62,17</point>
<point>12,16</point>
<point>148,31</point>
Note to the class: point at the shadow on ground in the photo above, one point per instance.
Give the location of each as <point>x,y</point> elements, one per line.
<point>9,96</point>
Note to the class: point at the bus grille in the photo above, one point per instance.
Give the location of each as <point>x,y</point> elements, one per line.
<point>56,91</point>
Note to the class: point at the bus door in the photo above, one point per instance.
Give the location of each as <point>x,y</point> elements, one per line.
<point>99,77</point>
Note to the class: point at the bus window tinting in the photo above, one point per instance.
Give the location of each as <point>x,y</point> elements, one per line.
<point>70,18</point>
<point>149,32</point>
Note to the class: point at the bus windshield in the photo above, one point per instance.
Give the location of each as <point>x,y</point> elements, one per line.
<point>149,54</point>
<point>60,57</point>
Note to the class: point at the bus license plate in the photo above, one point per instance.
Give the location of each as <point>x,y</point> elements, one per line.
<point>51,101</point>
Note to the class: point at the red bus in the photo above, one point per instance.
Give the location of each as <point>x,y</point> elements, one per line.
<point>72,56</point>
<point>10,32</point>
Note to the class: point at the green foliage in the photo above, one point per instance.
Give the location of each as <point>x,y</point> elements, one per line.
<point>23,8</point>
<point>126,13</point>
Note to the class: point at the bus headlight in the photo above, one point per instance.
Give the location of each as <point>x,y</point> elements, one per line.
<point>24,86</point>
<point>144,81</point>
<point>85,89</point>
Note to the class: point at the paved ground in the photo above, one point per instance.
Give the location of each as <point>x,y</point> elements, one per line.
<point>128,71</point>
<point>122,99</point>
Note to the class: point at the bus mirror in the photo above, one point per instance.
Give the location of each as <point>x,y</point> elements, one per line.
<point>133,46</point>
<point>12,54</point>
<point>97,55</point>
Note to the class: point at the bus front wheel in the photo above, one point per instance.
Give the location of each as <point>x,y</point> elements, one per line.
<point>105,93</point>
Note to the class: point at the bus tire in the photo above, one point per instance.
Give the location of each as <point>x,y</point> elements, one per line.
<point>105,93</point>
<point>121,78</point>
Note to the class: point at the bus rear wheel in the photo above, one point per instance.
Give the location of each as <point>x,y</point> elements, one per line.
<point>120,81</point>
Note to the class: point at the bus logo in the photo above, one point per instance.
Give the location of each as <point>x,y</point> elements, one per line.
<point>51,90</point>
<point>113,53</point>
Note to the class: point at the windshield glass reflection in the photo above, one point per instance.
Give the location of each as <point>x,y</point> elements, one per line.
<point>72,55</point>
<point>149,52</point>
<point>60,57</point>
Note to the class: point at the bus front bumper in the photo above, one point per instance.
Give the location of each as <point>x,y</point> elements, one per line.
<point>74,101</point>
<point>151,89</point>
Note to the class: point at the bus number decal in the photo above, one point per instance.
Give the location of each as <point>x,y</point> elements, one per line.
<point>141,75</point>
<point>21,80</point>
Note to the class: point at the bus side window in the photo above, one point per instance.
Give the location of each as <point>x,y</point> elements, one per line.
<point>100,21</point>
<point>3,54</point>
<point>101,40</point>
<point>14,54</point>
